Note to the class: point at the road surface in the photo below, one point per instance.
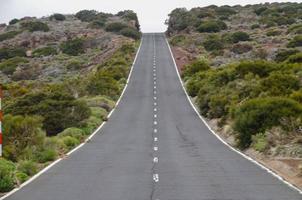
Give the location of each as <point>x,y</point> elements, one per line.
<point>154,147</point>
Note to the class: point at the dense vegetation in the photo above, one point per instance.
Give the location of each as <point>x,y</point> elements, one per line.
<point>244,71</point>
<point>58,88</point>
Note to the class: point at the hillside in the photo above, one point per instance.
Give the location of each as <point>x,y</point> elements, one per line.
<point>61,76</point>
<point>242,67</point>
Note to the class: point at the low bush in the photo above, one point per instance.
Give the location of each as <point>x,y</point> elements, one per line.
<point>73,132</point>
<point>8,35</point>
<point>241,48</point>
<point>58,17</point>
<point>21,177</point>
<point>58,109</point>
<point>74,65</point>
<point>86,15</point>
<point>97,24</point>
<point>273,32</point>
<point>35,26</point>
<point>73,47</point>
<point>28,167</point>
<point>296,29</point>
<point>46,155</point>
<point>178,40</point>
<point>258,115</point>
<point>213,43</point>
<point>7,170</point>
<point>44,51</point>
<point>296,58</point>
<point>194,67</point>
<point>115,27</point>
<point>70,142</point>
<point>283,54</point>
<point>6,53</point>
<point>211,26</point>
<point>295,42</point>
<point>9,66</point>
<point>259,142</point>
<point>130,32</point>
<point>21,132</point>
<point>254,26</point>
<point>240,36</point>
<point>13,21</point>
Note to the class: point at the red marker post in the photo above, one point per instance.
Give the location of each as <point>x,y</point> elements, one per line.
<point>1,117</point>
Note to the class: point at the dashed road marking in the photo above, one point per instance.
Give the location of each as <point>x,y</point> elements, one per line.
<point>154,87</point>
<point>155,104</point>
<point>155,130</point>
<point>155,115</point>
<point>155,109</point>
<point>155,177</point>
<point>155,139</point>
<point>154,91</point>
<point>154,98</point>
<point>155,159</point>
<point>155,148</point>
<point>155,122</point>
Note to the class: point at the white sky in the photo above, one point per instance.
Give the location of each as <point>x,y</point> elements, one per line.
<point>151,13</point>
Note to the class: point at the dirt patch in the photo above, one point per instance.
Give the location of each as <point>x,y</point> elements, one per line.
<point>182,58</point>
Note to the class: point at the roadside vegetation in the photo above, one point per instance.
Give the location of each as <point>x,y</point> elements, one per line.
<point>243,70</point>
<point>57,92</point>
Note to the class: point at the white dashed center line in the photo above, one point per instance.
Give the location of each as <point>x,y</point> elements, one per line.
<point>155,177</point>
<point>155,148</point>
<point>155,159</point>
<point>155,139</point>
<point>155,130</point>
<point>155,122</point>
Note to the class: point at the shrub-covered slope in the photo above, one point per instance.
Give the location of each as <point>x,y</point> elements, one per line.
<point>243,67</point>
<point>61,76</point>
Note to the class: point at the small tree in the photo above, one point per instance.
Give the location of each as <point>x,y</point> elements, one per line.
<point>73,47</point>
<point>58,17</point>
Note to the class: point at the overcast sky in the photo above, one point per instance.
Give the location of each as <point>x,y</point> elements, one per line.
<point>151,13</point>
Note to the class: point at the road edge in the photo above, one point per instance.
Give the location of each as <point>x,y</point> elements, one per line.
<point>87,139</point>
<point>221,139</point>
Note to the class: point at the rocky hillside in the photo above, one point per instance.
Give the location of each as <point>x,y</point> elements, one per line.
<point>61,76</point>
<point>242,65</point>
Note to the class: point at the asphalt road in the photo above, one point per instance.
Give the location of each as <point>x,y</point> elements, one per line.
<point>154,147</point>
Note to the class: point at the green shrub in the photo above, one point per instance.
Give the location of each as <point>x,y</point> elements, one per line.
<point>58,109</point>
<point>21,132</point>
<point>58,17</point>
<point>211,26</point>
<point>178,40</point>
<point>28,167</point>
<point>73,132</point>
<point>297,96</point>
<point>278,84</point>
<point>70,142</point>
<point>241,48</point>
<point>74,65</point>
<point>240,36</point>
<point>35,26</point>
<point>46,155</point>
<point>115,27</point>
<point>258,115</point>
<point>73,47</point>
<point>296,58</point>
<point>179,19</point>
<point>86,15</point>
<point>103,83</point>
<point>213,43</point>
<point>44,51</point>
<point>254,26</point>
<point>21,177</point>
<point>13,21</point>
<point>217,106</point>
<point>6,53</point>
<point>9,66</point>
<point>8,35</point>
<point>296,28</point>
<point>283,54</point>
<point>295,42</point>
<point>97,24</point>
<point>259,67</point>
<point>259,142</point>
<point>273,32</point>
<point>194,67</point>
<point>7,171</point>
<point>130,32</point>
